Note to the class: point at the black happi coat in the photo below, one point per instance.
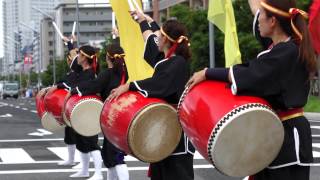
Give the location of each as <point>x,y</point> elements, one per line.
<point>86,144</point>
<point>167,83</point>
<point>103,84</point>
<point>279,76</point>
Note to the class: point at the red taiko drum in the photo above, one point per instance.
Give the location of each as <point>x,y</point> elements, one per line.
<point>83,113</point>
<point>47,120</point>
<point>147,128</point>
<point>54,103</point>
<point>239,135</point>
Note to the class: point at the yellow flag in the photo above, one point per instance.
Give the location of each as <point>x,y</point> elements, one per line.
<point>131,41</point>
<point>221,14</point>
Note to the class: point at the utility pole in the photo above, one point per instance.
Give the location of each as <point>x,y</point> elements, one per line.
<point>78,25</point>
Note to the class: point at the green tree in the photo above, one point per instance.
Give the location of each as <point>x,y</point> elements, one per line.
<point>198,27</point>
<point>61,70</point>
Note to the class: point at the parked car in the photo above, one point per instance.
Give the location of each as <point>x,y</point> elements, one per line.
<point>10,89</point>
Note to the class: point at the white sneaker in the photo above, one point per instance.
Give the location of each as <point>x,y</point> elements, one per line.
<point>66,163</point>
<point>96,177</point>
<point>78,166</point>
<point>80,174</point>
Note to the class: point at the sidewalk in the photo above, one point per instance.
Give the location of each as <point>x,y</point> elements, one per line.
<point>312,116</point>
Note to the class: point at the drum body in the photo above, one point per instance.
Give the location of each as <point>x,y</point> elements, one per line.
<point>83,113</point>
<point>239,135</point>
<point>147,128</point>
<point>47,120</point>
<point>54,103</point>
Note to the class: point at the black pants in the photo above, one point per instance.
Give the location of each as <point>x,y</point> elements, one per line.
<point>87,144</point>
<point>70,136</point>
<point>111,155</point>
<point>178,167</point>
<point>287,173</point>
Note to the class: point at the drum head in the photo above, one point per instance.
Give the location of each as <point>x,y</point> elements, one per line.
<point>154,133</point>
<point>65,119</point>
<point>85,117</point>
<point>246,140</point>
<point>50,123</point>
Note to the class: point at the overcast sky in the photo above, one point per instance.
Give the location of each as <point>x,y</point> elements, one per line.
<point>1,31</point>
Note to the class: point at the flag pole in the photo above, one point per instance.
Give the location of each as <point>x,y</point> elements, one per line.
<point>211,45</point>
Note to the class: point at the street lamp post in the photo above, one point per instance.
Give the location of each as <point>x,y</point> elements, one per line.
<point>37,35</point>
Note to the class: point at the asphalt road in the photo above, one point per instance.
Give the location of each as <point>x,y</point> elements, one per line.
<point>28,152</point>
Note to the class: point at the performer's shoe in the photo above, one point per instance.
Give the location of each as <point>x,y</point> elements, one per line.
<point>112,174</point>
<point>122,172</point>
<point>78,166</point>
<point>71,152</point>
<point>66,163</point>
<point>97,161</point>
<point>96,176</point>
<point>80,174</point>
<point>83,173</point>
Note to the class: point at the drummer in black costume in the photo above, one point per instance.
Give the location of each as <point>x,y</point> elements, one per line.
<point>69,81</point>
<point>280,75</point>
<point>107,80</point>
<point>88,145</point>
<point>168,55</point>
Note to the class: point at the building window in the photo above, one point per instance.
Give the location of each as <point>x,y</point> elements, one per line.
<point>50,33</point>
<point>51,53</point>
<point>50,43</point>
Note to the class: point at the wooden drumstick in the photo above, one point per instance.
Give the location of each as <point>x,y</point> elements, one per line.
<point>57,29</point>
<point>73,30</point>
<point>137,6</point>
<point>131,7</point>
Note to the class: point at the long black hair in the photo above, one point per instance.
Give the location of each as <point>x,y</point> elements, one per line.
<point>90,54</point>
<point>174,29</point>
<point>116,55</point>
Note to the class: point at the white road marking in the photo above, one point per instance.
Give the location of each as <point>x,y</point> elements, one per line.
<point>15,155</point>
<point>315,127</point>
<point>42,171</point>
<point>316,154</point>
<point>40,132</point>
<point>6,115</point>
<point>33,140</point>
<point>34,111</point>
<point>45,132</point>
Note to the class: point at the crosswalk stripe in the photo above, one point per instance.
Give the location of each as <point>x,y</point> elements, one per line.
<point>316,145</point>
<point>15,155</point>
<point>62,152</point>
<point>316,154</point>
<point>42,171</point>
<point>315,127</point>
